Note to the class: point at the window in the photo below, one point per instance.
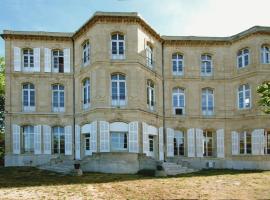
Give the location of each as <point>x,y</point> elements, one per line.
<point>28,97</point>
<point>58,61</point>
<point>242,58</point>
<point>28,59</point>
<point>245,143</point>
<point>207,101</point>
<point>118,141</point>
<point>58,98</point>
<point>179,143</point>
<point>86,53</point>
<point>207,143</point>
<point>118,46</point>
<point>244,99</point>
<point>86,93</point>
<point>28,139</point>
<point>177,64</point>
<point>118,82</point>
<point>149,56</point>
<point>151,143</point>
<point>265,54</point>
<point>178,97</point>
<point>150,95</point>
<point>87,142</point>
<point>206,65</point>
<point>58,140</point>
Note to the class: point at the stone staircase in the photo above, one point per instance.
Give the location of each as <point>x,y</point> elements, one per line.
<point>173,169</point>
<point>59,166</point>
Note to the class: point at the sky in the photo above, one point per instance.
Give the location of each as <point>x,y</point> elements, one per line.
<point>167,17</point>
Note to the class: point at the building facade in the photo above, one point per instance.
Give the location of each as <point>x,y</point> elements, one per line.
<point>118,97</point>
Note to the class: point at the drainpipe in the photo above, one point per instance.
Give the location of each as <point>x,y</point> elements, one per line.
<point>73,93</point>
<point>163,100</point>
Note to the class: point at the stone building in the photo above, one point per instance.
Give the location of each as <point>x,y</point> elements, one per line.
<point>119,97</point>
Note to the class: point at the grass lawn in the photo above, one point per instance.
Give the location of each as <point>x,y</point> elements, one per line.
<point>30,183</point>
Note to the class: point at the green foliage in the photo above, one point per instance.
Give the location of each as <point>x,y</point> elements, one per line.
<point>264,92</point>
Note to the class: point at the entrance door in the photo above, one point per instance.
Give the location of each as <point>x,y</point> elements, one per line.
<point>87,150</point>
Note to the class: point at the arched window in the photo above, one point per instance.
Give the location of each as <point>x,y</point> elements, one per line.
<point>28,59</point>
<point>178,97</point>
<point>265,54</point>
<point>86,93</point>
<point>244,96</point>
<point>118,46</point>
<point>177,64</point>
<point>58,98</point>
<point>118,84</point>
<point>206,65</point>
<point>28,97</point>
<point>58,140</point>
<point>86,53</point>
<point>28,139</point>
<point>151,95</point>
<point>58,61</point>
<point>149,56</point>
<point>207,101</point>
<point>243,58</point>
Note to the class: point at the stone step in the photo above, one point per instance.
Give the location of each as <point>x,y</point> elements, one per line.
<point>174,168</point>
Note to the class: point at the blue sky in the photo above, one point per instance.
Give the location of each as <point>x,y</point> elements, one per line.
<point>168,17</point>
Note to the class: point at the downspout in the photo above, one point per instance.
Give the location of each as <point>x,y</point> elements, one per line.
<point>163,99</point>
<point>73,93</point>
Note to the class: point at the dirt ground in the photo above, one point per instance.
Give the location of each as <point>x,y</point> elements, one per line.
<point>30,183</point>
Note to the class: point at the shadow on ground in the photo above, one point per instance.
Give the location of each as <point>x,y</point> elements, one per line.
<point>11,177</point>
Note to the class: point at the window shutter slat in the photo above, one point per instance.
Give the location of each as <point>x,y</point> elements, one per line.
<point>37,139</point>
<point>160,143</point>
<point>170,136</point>
<point>47,139</point>
<point>235,143</point>
<point>77,142</point>
<point>66,60</point>
<point>145,139</point>
<point>104,136</point>
<point>255,142</point>
<point>17,59</point>
<point>133,137</point>
<point>220,143</point>
<point>47,60</point>
<point>262,142</point>
<point>191,142</point>
<point>199,142</point>
<point>16,139</point>
<point>37,59</point>
<point>93,138</point>
<point>68,140</point>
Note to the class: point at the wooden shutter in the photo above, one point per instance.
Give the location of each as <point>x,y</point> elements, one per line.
<point>47,60</point>
<point>104,136</point>
<point>170,137</point>
<point>17,59</point>
<point>191,142</point>
<point>66,60</point>
<point>160,143</point>
<point>199,142</point>
<point>47,140</point>
<point>133,137</point>
<point>220,143</point>
<point>145,139</point>
<point>77,142</point>
<point>235,143</point>
<point>37,139</point>
<point>37,59</point>
<point>16,139</point>
<point>262,142</point>
<point>93,137</point>
<point>68,140</point>
<point>255,140</point>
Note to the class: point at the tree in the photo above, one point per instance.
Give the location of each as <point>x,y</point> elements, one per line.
<point>264,92</point>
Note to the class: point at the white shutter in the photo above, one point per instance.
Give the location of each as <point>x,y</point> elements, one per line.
<point>160,143</point>
<point>255,140</point>
<point>68,140</point>
<point>77,142</point>
<point>199,142</point>
<point>93,137</point>
<point>37,139</point>
<point>47,140</point>
<point>191,142</point>
<point>37,59</point>
<point>262,142</point>
<point>104,136</point>
<point>220,143</point>
<point>17,59</point>
<point>133,137</point>
<point>16,139</point>
<point>47,60</point>
<point>235,143</point>
<point>66,60</point>
<point>145,139</point>
<point>170,137</point>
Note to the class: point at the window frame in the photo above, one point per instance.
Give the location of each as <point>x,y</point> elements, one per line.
<point>120,146</point>
<point>180,92</point>
<point>177,60</point>
<point>118,102</point>
<point>206,58</point>
<point>207,91</point>
<point>86,86</point>
<point>244,133</point>
<point>244,97</point>
<point>150,95</point>
<point>60,134</point>
<point>241,55</point>
<point>85,53</point>
<point>264,54</point>
<point>118,55</point>
<point>206,137</point>
<point>31,142</point>
<point>59,108</point>
<point>28,66</point>
<point>56,66</point>
<point>179,138</point>
<point>149,50</point>
<point>29,90</point>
